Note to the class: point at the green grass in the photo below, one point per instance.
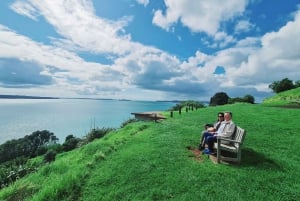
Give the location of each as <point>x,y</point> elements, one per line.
<point>150,161</point>
<point>287,98</point>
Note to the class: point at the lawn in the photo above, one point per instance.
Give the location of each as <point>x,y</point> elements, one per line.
<point>150,161</point>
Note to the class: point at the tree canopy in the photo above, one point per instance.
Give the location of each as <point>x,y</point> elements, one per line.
<point>283,85</point>
<point>220,98</point>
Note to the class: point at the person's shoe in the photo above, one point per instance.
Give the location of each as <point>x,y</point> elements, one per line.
<point>208,152</point>
<point>204,151</point>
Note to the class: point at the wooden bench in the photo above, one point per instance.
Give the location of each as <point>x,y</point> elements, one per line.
<point>233,145</point>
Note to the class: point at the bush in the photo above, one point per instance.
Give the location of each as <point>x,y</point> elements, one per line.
<point>283,85</point>
<point>50,156</point>
<point>245,99</point>
<point>70,143</point>
<point>189,104</point>
<point>96,133</point>
<point>220,98</point>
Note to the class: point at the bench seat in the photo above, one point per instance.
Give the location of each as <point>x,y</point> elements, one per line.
<point>231,145</point>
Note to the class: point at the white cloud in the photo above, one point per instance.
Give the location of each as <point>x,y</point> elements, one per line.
<point>143,2</point>
<point>278,56</point>
<point>253,63</point>
<point>143,72</point>
<point>69,72</point>
<point>243,26</point>
<point>25,9</point>
<point>77,23</point>
<point>199,16</point>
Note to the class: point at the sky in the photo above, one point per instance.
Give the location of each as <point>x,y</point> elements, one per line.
<point>148,49</point>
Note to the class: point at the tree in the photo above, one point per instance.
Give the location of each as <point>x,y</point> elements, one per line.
<point>297,84</point>
<point>249,99</point>
<point>70,143</point>
<point>220,98</point>
<point>26,147</point>
<point>50,156</point>
<point>283,85</point>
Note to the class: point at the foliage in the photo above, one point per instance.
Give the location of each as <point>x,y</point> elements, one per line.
<point>97,133</point>
<point>283,85</point>
<point>70,143</point>
<point>220,98</point>
<point>297,84</point>
<point>156,154</point>
<point>50,156</point>
<point>246,99</point>
<point>29,146</point>
<point>188,104</point>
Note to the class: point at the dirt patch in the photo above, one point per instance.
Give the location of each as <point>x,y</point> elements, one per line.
<point>197,155</point>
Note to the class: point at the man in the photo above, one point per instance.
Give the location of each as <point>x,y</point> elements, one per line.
<point>225,130</point>
<point>210,130</point>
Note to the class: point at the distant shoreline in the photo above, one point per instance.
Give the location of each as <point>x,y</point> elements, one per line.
<point>49,97</point>
<point>25,97</point>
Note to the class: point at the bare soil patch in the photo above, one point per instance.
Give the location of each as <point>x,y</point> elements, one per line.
<point>197,154</point>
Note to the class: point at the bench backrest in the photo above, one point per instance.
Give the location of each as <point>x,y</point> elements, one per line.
<point>239,136</point>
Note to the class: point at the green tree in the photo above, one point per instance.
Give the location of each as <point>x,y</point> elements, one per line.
<point>70,143</point>
<point>249,99</point>
<point>283,85</point>
<point>297,84</point>
<point>50,156</point>
<point>220,98</point>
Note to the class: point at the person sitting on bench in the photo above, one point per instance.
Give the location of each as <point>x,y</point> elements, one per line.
<point>225,130</point>
<point>210,129</point>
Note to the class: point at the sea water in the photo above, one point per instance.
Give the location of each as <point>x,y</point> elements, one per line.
<point>20,117</point>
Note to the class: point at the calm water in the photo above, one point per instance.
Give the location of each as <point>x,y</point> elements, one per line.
<point>20,117</point>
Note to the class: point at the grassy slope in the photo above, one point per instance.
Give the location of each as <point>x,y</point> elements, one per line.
<point>149,161</point>
<point>286,97</point>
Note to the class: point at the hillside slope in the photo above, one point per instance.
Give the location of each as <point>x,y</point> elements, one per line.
<point>285,98</point>
<point>150,161</point>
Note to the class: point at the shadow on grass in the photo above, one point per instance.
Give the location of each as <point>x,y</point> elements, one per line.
<point>258,160</point>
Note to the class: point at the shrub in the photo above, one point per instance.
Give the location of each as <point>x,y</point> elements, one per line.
<point>220,98</point>
<point>96,133</point>
<point>50,156</point>
<point>70,143</point>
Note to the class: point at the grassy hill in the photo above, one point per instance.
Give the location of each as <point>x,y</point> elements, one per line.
<point>150,161</point>
<point>288,98</point>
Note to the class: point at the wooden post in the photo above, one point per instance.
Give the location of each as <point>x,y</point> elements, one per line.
<point>171,114</point>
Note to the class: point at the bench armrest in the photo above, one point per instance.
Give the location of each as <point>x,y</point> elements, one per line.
<point>228,140</point>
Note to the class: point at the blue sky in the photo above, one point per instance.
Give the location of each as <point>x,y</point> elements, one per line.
<point>148,49</point>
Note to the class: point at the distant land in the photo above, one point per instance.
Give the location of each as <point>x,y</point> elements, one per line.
<point>49,97</point>
<point>25,97</point>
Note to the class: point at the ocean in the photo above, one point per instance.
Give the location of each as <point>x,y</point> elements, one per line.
<point>20,117</point>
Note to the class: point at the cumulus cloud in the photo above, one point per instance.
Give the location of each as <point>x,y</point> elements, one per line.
<point>243,26</point>
<point>143,2</point>
<point>253,63</point>
<point>198,16</point>
<point>67,70</point>
<point>14,73</point>
<point>279,55</point>
<point>80,28</point>
<point>247,65</point>
<point>25,9</point>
